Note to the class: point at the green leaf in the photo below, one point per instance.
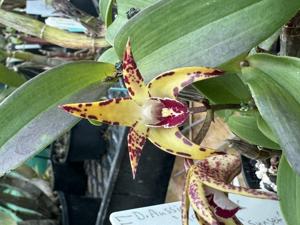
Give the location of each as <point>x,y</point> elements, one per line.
<point>6,218</point>
<point>265,129</point>
<point>275,83</point>
<point>268,43</point>
<point>10,77</point>
<point>121,20</point>
<point>95,122</point>
<point>109,56</point>
<point>105,7</point>
<point>5,92</point>
<point>225,89</point>
<point>176,33</point>
<point>288,184</point>
<point>244,126</point>
<point>30,118</point>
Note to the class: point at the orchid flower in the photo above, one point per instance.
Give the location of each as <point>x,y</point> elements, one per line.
<point>151,111</point>
<point>206,184</point>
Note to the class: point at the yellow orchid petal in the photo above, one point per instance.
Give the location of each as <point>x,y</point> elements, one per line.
<point>172,141</point>
<point>185,203</point>
<point>170,83</point>
<point>133,79</point>
<point>239,190</point>
<point>199,201</point>
<point>136,139</point>
<point>118,111</point>
<point>230,221</point>
<point>200,220</point>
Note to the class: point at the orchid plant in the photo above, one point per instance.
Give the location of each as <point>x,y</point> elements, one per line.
<point>152,111</point>
<point>206,184</point>
<point>196,32</point>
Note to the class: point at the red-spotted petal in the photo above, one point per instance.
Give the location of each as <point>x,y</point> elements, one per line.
<point>136,139</point>
<point>221,169</point>
<point>133,79</point>
<point>224,167</point>
<point>164,112</point>
<point>170,83</point>
<point>198,200</point>
<point>172,141</point>
<point>228,188</point>
<point>118,111</point>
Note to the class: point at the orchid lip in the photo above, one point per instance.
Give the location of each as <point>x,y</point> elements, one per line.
<point>164,112</point>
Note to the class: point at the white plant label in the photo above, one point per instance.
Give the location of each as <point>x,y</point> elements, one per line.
<point>254,212</point>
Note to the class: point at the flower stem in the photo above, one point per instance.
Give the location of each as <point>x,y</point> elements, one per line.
<point>214,108</point>
<point>53,35</point>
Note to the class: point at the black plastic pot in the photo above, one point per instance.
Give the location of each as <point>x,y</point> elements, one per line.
<point>69,178</point>
<point>149,187</point>
<point>87,142</point>
<point>86,5</point>
<point>78,210</point>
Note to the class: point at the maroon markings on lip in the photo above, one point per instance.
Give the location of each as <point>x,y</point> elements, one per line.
<point>202,149</point>
<point>224,213</point>
<point>178,113</point>
<point>88,104</point>
<point>83,115</point>
<point>183,154</point>
<point>106,102</point>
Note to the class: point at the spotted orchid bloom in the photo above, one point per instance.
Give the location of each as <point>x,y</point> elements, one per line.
<point>151,111</point>
<point>207,183</point>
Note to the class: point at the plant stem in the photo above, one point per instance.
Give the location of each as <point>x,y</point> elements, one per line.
<point>214,107</point>
<point>225,106</point>
<point>38,59</point>
<point>39,222</point>
<point>290,38</point>
<point>53,35</point>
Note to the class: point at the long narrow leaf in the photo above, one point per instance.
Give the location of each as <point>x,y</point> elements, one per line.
<point>288,184</point>
<point>274,84</point>
<point>178,33</point>
<point>30,118</point>
<point>10,77</point>
<point>245,127</point>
